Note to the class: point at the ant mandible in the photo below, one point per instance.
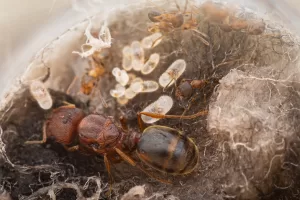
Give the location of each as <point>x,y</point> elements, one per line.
<point>160,147</point>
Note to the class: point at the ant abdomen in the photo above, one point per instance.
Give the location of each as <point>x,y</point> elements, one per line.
<point>167,150</point>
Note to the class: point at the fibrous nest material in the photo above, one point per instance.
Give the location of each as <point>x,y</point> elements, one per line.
<point>248,143</point>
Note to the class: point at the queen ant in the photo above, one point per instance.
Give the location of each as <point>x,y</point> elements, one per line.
<point>160,147</point>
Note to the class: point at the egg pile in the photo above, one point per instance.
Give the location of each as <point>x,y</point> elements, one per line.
<point>128,85</point>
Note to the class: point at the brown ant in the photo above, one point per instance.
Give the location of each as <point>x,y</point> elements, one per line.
<point>160,147</point>
<point>90,79</point>
<point>225,19</point>
<point>172,21</point>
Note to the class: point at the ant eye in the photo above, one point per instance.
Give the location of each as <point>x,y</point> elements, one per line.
<point>95,145</point>
<point>161,106</point>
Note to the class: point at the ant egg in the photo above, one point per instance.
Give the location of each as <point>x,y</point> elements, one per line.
<point>118,91</point>
<point>152,40</point>
<point>129,93</point>
<point>151,64</point>
<point>127,58</point>
<point>122,100</point>
<point>149,86</point>
<point>161,106</point>
<point>172,73</point>
<point>137,55</point>
<point>121,76</point>
<point>40,93</point>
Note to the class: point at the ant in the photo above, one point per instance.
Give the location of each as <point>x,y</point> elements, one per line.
<point>160,147</point>
<point>187,86</point>
<point>225,18</point>
<point>172,21</point>
<point>90,79</point>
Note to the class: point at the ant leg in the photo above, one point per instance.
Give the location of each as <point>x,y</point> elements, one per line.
<point>177,5</point>
<point>201,38</point>
<point>107,165</point>
<point>133,163</point>
<point>68,105</point>
<point>161,116</point>
<point>123,122</point>
<point>72,149</point>
<point>140,121</point>
<point>39,141</point>
<point>185,6</point>
<point>155,41</point>
<point>71,85</point>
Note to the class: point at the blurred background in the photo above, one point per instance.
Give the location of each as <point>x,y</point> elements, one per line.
<point>29,25</point>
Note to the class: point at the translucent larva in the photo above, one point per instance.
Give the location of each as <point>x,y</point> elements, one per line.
<point>129,93</point>
<point>151,64</point>
<point>175,70</point>
<point>151,40</point>
<point>121,76</point>
<point>122,100</point>
<point>137,55</point>
<point>149,86</point>
<point>118,91</point>
<point>127,58</point>
<point>162,105</point>
<point>40,93</point>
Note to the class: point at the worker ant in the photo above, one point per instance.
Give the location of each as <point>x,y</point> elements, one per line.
<point>187,86</point>
<point>225,18</point>
<point>160,147</point>
<point>167,22</point>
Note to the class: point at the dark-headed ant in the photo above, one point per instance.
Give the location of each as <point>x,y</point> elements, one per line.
<point>187,86</point>
<point>160,147</point>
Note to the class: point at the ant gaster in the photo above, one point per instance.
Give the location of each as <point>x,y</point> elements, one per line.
<point>160,147</point>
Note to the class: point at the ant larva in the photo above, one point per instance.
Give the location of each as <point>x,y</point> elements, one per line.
<point>161,106</point>
<point>175,70</point>
<point>41,94</point>
<point>151,64</point>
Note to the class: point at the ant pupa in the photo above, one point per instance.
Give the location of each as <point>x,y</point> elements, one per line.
<point>151,64</point>
<point>118,91</point>
<point>121,76</point>
<point>175,70</point>
<point>151,40</point>
<point>137,55</point>
<point>40,93</point>
<point>161,106</point>
<point>127,58</point>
